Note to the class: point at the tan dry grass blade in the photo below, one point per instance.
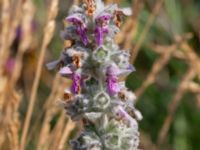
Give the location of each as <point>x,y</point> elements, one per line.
<point>130,33</point>
<point>9,98</point>
<point>51,109</point>
<point>167,52</point>
<point>44,133</point>
<point>28,11</point>
<point>14,124</point>
<point>130,26</point>
<point>187,54</point>
<point>155,12</point>
<point>9,117</point>
<point>68,128</point>
<point>48,34</point>
<point>15,19</point>
<point>193,58</point>
<point>174,104</point>
<point>56,134</point>
<point>157,66</point>
<point>193,87</point>
<point>5,25</point>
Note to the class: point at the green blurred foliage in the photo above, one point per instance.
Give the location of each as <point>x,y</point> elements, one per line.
<point>176,18</point>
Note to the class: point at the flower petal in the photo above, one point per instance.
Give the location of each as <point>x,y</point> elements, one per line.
<point>124,115</point>
<point>52,65</point>
<point>112,85</point>
<point>76,83</point>
<point>113,70</point>
<point>104,17</point>
<point>99,36</point>
<point>75,18</point>
<point>65,71</point>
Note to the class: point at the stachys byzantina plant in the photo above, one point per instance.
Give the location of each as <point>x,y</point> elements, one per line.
<point>95,64</point>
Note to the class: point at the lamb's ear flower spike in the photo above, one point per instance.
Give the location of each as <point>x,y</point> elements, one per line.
<point>94,63</point>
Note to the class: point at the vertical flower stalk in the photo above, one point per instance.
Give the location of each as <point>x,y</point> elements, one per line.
<point>95,63</point>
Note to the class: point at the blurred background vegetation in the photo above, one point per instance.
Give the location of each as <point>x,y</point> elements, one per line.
<point>163,37</point>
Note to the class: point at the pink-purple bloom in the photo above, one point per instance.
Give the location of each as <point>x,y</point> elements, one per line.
<point>76,79</point>
<point>113,70</point>
<point>65,71</point>
<point>81,28</point>
<point>76,83</point>
<point>112,73</point>
<point>112,85</point>
<point>125,71</point>
<point>102,28</point>
<point>99,34</point>
<point>122,114</point>
<point>112,80</point>
<point>103,19</point>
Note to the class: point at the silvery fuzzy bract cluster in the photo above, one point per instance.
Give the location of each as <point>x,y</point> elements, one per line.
<point>95,65</point>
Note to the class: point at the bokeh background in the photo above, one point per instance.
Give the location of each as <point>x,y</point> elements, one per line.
<point>163,37</point>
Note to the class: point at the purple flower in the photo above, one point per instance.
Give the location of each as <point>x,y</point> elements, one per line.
<point>112,83</point>
<point>103,19</point>
<point>123,115</point>
<point>65,71</point>
<point>102,28</point>
<point>112,73</point>
<point>117,71</point>
<point>99,34</point>
<point>126,71</point>
<point>76,83</point>
<point>76,79</point>
<point>81,28</point>
<point>113,70</point>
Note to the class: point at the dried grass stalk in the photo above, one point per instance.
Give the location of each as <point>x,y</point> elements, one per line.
<point>193,87</point>
<point>50,111</point>
<point>9,98</point>
<point>130,26</point>
<point>68,128</point>
<point>15,19</point>
<point>157,67</point>
<point>192,57</point>
<point>5,26</point>
<point>174,104</point>
<point>56,134</point>
<point>9,116</point>
<point>48,34</point>
<point>155,12</point>
<point>28,10</point>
